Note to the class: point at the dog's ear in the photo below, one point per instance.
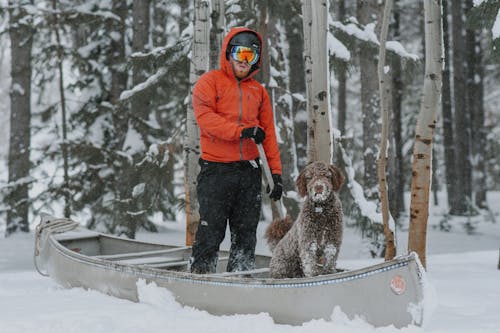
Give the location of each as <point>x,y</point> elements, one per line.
<point>301,184</point>
<point>338,177</point>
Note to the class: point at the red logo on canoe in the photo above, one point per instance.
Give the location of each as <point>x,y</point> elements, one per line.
<point>398,285</point>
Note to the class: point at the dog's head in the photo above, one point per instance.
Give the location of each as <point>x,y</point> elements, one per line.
<point>318,180</point>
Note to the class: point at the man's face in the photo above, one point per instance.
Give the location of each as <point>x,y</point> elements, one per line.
<point>240,68</point>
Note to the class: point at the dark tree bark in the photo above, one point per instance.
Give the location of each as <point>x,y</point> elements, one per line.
<point>447,118</point>
<point>342,78</point>
<point>294,34</point>
<point>21,38</point>
<point>397,184</point>
<point>463,189</point>
<point>158,34</point>
<point>117,58</point>
<point>368,12</point>
<point>125,215</point>
<point>475,107</point>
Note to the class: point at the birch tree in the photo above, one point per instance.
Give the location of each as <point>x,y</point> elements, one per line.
<point>319,142</point>
<point>21,40</point>
<point>422,150</point>
<point>199,65</point>
<point>384,86</point>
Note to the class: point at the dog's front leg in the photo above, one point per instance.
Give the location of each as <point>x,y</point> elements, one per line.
<point>309,262</point>
<point>330,259</point>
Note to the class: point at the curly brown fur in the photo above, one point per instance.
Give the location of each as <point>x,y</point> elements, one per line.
<point>277,230</point>
<point>312,244</point>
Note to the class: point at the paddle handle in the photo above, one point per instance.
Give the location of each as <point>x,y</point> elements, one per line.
<point>269,177</point>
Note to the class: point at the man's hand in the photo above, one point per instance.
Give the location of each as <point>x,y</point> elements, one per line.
<point>278,188</point>
<point>255,133</point>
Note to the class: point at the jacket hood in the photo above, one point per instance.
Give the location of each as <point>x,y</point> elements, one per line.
<point>225,65</point>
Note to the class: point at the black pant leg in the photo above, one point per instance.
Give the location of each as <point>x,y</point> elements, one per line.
<point>213,190</point>
<point>243,220</point>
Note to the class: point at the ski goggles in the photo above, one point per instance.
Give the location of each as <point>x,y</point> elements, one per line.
<point>244,53</point>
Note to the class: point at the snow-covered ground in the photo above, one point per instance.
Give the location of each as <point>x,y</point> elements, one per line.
<point>462,269</point>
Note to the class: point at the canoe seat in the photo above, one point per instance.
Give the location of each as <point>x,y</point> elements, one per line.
<point>179,263</point>
<point>150,261</point>
<point>76,235</point>
<point>131,255</point>
<point>257,272</point>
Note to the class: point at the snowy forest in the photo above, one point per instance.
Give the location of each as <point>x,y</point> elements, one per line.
<point>95,105</point>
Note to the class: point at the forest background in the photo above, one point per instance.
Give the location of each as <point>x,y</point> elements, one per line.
<point>94,97</point>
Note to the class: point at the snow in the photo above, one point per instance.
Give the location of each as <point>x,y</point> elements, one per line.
<point>462,291</point>
<point>496,27</point>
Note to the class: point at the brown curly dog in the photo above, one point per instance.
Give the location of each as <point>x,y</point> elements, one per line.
<point>310,246</point>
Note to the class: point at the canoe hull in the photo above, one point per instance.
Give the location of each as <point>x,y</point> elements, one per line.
<point>390,293</point>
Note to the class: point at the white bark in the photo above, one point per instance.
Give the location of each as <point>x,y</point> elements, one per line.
<point>389,228</point>
<point>199,64</point>
<point>422,150</point>
<point>315,16</point>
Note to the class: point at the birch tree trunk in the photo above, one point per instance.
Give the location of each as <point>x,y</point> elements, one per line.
<point>21,40</point>
<point>319,143</point>
<point>199,65</point>
<point>422,150</point>
<point>384,83</point>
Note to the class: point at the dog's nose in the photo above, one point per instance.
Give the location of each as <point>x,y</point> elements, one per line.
<point>318,188</point>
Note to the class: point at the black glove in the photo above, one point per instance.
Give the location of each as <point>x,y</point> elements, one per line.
<point>278,188</point>
<point>255,133</point>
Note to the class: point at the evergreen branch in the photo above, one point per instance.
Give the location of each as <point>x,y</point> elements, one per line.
<point>161,56</point>
<point>367,38</point>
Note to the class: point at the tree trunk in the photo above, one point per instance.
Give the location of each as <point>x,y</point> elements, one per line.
<point>422,150</point>
<point>396,196</point>
<point>341,72</point>
<point>265,64</point>
<point>389,226</point>
<point>64,146</point>
<point>282,102</point>
<point>21,39</point>
<point>118,62</point>
<point>367,13</point>
<point>199,65</point>
<point>294,33</point>
<point>317,75</point>
<point>463,189</point>
<point>127,215</point>
<point>476,111</point>
<point>160,14</point>
<point>448,136</point>
<point>216,32</point>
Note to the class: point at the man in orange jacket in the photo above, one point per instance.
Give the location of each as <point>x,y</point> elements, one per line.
<point>234,114</point>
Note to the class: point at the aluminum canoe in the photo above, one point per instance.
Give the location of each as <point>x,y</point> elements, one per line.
<point>389,293</point>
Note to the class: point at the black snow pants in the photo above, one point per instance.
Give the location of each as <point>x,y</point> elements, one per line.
<point>227,193</point>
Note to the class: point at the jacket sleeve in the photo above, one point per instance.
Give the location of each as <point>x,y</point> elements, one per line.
<point>204,106</point>
<point>266,120</point>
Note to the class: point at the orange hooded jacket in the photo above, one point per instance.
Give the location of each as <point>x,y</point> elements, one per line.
<point>224,106</point>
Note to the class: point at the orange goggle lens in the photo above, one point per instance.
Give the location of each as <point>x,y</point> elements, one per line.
<point>243,53</point>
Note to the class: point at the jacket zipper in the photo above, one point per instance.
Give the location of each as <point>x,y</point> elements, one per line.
<point>240,116</point>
